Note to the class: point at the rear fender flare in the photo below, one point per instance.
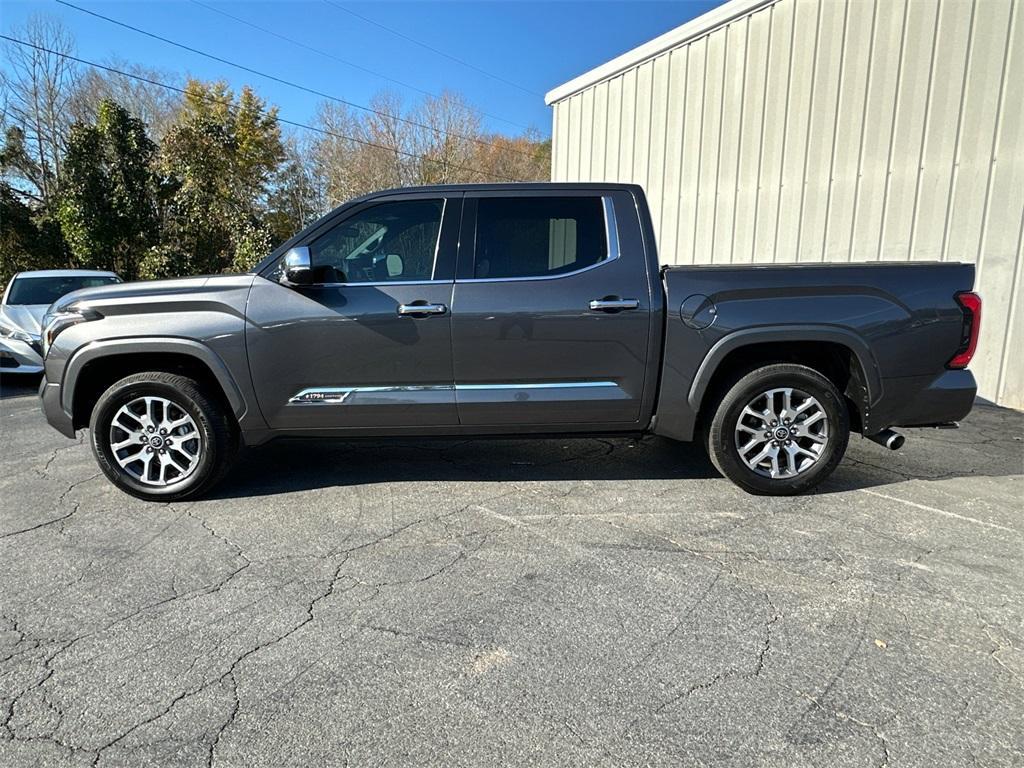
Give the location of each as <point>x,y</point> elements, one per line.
<point>750,336</point>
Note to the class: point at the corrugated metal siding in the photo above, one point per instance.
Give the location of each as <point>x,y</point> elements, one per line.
<point>821,130</point>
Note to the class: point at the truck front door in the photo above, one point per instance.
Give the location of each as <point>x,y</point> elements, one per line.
<point>551,314</point>
<point>369,345</point>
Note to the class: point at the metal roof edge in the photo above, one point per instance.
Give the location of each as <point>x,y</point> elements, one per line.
<point>691,30</point>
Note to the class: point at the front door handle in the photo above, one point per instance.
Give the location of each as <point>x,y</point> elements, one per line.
<point>613,304</point>
<point>421,308</point>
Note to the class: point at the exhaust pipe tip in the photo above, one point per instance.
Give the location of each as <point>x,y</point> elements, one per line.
<point>888,438</point>
<point>895,441</point>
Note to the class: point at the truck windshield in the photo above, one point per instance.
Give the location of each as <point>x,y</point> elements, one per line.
<point>46,290</point>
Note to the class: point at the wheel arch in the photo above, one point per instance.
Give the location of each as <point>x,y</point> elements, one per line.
<point>840,355</point>
<point>98,365</point>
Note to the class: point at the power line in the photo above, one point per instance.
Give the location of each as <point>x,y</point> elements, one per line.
<point>431,48</point>
<point>280,119</point>
<point>347,63</point>
<point>289,83</point>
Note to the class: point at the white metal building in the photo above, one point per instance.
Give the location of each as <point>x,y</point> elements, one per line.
<point>825,130</point>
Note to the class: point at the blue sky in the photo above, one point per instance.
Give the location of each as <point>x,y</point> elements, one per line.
<point>536,45</point>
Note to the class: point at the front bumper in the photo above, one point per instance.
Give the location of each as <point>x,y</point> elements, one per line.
<point>55,414</point>
<point>19,357</point>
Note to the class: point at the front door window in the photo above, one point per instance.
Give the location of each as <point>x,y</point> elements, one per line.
<point>390,242</point>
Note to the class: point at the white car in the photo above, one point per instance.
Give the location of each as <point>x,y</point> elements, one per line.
<point>28,296</point>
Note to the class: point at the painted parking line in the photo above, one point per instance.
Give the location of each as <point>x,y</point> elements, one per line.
<point>938,511</point>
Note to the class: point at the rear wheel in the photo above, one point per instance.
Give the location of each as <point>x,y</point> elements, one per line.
<point>780,430</point>
<point>159,436</point>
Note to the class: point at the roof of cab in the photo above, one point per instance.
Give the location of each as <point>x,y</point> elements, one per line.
<point>512,186</point>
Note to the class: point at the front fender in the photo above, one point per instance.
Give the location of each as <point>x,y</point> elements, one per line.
<point>96,350</point>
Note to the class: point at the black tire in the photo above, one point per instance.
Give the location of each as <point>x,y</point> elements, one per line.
<point>721,432</point>
<point>216,429</point>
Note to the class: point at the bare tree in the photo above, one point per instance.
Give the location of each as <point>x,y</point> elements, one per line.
<point>438,141</point>
<point>136,91</point>
<point>520,158</point>
<point>383,160</point>
<point>38,84</point>
<point>448,140</point>
<point>333,153</point>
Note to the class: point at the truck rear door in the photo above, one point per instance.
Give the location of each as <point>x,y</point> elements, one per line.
<point>551,310</point>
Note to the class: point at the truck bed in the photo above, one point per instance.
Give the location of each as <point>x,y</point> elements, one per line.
<point>900,321</point>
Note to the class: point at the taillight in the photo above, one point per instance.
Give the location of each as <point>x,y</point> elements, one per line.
<point>970,303</point>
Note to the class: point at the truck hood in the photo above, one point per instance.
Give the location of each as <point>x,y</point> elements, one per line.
<point>151,291</point>
<point>24,317</point>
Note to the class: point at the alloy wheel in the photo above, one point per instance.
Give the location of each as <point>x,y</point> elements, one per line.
<point>155,441</point>
<point>782,433</point>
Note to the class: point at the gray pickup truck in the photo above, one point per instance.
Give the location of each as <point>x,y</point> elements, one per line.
<point>527,309</point>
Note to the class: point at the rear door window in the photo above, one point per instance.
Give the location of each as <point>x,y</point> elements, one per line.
<point>524,237</point>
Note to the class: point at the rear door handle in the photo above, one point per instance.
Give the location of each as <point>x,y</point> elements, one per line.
<point>613,304</point>
<point>421,308</point>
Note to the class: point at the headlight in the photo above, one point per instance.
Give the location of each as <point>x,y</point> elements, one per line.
<point>56,322</point>
<point>10,332</point>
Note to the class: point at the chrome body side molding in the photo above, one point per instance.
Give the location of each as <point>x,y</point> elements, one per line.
<point>552,391</point>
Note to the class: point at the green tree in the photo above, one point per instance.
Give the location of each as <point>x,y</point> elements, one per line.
<point>29,239</point>
<point>30,236</point>
<point>107,208</point>
<point>219,157</point>
<point>294,199</point>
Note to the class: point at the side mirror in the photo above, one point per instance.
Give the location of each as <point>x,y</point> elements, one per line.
<point>298,267</point>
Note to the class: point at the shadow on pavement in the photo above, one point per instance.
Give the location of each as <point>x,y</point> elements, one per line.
<point>989,444</point>
<point>290,465</point>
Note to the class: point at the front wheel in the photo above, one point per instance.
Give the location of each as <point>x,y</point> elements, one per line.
<point>779,431</point>
<point>159,436</point>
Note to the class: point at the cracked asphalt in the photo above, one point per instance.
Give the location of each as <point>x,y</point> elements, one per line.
<point>561,602</point>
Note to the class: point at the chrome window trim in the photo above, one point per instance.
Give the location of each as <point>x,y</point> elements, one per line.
<point>611,238</point>
<point>378,285</point>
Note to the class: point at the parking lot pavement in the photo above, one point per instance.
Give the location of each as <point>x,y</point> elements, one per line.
<point>552,602</point>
